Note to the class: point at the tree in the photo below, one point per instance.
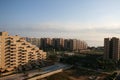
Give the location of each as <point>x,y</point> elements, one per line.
<point>53,57</point>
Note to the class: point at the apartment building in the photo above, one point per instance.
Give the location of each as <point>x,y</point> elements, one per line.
<point>45,43</point>
<point>16,51</point>
<point>75,45</point>
<point>33,41</point>
<point>58,43</point>
<point>67,44</point>
<point>112,48</point>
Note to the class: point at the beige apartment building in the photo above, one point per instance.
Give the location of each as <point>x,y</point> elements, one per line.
<point>16,51</point>
<point>75,45</point>
<point>34,41</point>
<point>112,48</point>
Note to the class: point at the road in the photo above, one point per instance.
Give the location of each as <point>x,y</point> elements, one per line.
<point>44,70</point>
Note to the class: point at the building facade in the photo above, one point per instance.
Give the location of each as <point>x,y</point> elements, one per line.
<point>16,51</point>
<point>33,41</point>
<point>67,44</point>
<point>75,45</point>
<point>45,43</point>
<point>58,43</point>
<point>112,48</point>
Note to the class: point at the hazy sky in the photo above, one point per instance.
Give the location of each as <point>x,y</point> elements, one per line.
<point>89,20</point>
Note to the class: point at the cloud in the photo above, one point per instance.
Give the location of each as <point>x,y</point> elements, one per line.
<point>105,24</point>
<point>89,32</point>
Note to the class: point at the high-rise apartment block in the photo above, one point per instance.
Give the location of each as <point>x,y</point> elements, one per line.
<point>67,44</point>
<point>45,43</point>
<point>112,48</point>
<point>58,43</point>
<point>74,44</point>
<point>16,51</point>
<point>33,41</point>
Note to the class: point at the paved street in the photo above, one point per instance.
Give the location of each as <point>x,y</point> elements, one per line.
<point>35,72</point>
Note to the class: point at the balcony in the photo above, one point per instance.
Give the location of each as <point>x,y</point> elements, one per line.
<point>12,64</point>
<point>37,51</point>
<point>7,57</point>
<point>23,51</point>
<point>23,54</point>
<point>13,47</point>
<point>21,58</point>
<point>12,54</point>
<point>13,51</point>
<point>7,43</point>
<point>7,64</point>
<point>13,60</point>
<point>28,46</point>
<point>7,38</point>
<point>24,44</point>
<point>33,49</point>
<point>7,53</point>
<point>12,57</point>
<point>20,50</point>
<point>38,56</point>
<point>7,47</point>
<point>18,41</point>
<point>7,61</point>
<point>30,57</point>
<point>21,47</point>
<point>20,55</point>
<point>22,39</point>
